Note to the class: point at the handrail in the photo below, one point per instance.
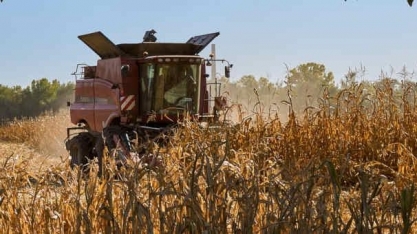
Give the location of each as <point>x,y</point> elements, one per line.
<point>77,73</point>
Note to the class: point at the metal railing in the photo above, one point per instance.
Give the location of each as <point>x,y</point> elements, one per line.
<point>80,71</point>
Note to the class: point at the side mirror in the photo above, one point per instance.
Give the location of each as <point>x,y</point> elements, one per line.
<point>227,71</point>
<point>125,70</point>
<point>68,104</point>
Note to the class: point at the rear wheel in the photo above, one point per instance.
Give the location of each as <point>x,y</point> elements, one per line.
<point>81,149</point>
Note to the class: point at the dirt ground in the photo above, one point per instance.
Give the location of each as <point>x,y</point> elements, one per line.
<point>19,152</point>
<point>39,141</point>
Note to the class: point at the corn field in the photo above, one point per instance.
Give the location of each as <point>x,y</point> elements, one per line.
<point>346,166</point>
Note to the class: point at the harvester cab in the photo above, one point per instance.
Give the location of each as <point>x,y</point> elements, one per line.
<point>138,88</point>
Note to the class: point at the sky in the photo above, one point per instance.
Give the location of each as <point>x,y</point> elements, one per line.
<point>38,38</point>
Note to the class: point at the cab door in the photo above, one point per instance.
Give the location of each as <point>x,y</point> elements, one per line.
<point>82,110</point>
<point>106,103</point>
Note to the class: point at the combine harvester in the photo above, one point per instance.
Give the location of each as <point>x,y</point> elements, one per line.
<point>137,92</point>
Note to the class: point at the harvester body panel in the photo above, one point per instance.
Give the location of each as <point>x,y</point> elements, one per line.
<point>95,103</point>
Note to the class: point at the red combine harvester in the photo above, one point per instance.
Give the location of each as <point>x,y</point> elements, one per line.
<point>137,92</point>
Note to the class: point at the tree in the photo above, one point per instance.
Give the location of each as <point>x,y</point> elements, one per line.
<point>10,100</point>
<point>311,74</point>
<point>41,96</point>
<point>63,94</point>
<point>307,83</point>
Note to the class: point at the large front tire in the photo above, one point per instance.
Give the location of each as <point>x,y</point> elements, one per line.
<point>81,149</point>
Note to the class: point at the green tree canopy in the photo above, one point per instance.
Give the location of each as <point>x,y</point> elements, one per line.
<point>312,74</point>
<point>307,83</point>
<point>41,96</point>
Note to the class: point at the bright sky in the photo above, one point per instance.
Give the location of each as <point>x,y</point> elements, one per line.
<point>39,38</point>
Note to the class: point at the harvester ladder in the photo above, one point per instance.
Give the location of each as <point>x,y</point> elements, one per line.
<point>214,90</point>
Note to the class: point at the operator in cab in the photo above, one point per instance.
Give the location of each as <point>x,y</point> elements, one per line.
<point>179,86</point>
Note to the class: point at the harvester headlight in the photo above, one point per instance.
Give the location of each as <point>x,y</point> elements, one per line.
<point>176,60</point>
<point>167,60</point>
<point>160,60</point>
<point>191,60</point>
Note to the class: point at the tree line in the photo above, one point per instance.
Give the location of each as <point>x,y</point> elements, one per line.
<point>304,86</point>
<point>310,85</point>
<point>39,97</point>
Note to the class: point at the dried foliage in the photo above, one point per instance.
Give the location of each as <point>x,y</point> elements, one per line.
<point>44,133</point>
<point>347,165</point>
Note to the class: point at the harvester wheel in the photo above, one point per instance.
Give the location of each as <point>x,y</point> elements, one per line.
<point>118,140</point>
<point>108,133</point>
<point>116,130</point>
<point>81,149</point>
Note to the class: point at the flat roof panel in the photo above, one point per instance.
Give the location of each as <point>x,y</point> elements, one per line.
<point>101,45</point>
